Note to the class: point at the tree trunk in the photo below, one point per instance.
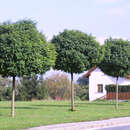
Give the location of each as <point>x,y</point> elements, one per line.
<point>72,92</point>
<point>13,97</point>
<point>116,105</point>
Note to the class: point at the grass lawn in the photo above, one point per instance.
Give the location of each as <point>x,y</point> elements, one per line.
<point>36,113</point>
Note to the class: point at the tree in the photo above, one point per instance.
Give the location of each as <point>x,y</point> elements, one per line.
<point>82,88</point>
<point>4,82</point>
<point>81,92</point>
<point>31,88</point>
<point>24,51</point>
<point>5,91</point>
<point>77,52</point>
<point>83,81</point>
<point>116,61</point>
<point>58,86</point>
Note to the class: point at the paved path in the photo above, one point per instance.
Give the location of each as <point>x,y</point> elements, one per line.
<point>87,125</point>
<point>117,128</point>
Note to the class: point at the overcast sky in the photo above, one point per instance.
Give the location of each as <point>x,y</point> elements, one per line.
<point>101,18</point>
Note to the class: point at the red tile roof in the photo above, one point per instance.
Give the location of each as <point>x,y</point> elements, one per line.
<point>92,69</point>
<point>89,72</point>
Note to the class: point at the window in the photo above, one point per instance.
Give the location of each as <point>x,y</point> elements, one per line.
<point>100,88</point>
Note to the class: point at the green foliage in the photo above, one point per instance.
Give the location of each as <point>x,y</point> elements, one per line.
<point>28,89</point>
<point>116,61</point>
<point>5,93</point>
<point>122,88</point>
<point>5,89</point>
<point>24,50</point>
<point>58,87</point>
<point>31,88</point>
<point>4,82</point>
<point>81,92</point>
<point>77,51</point>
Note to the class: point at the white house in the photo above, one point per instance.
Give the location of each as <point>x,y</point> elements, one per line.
<point>97,82</point>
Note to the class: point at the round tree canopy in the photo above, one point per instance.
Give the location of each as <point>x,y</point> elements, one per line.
<point>24,51</point>
<point>116,61</point>
<point>76,51</point>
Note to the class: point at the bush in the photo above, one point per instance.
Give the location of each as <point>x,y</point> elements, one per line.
<point>82,92</point>
<point>31,88</point>
<point>122,88</point>
<point>5,93</point>
<point>77,98</point>
<point>58,87</point>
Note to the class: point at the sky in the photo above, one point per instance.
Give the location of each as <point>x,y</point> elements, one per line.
<point>100,18</point>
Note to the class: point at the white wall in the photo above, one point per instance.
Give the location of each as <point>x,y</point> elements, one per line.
<point>98,77</point>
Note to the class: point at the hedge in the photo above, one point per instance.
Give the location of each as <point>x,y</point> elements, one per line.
<point>122,88</point>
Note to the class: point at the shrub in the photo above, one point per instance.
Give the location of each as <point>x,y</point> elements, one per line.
<point>122,88</point>
<point>31,88</point>
<point>58,86</point>
<point>82,92</point>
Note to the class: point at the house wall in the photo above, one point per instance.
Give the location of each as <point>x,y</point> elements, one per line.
<point>121,95</point>
<point>98,77</point>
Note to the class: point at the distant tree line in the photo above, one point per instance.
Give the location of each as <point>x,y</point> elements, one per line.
<point>56,87</point>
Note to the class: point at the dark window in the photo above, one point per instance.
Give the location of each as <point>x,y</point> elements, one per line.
<point>100,88</point>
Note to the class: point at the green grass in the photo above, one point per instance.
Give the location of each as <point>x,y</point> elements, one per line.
<point>37,113</point>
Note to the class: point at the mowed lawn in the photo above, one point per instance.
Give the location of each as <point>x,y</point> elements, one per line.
<point>37,113</point>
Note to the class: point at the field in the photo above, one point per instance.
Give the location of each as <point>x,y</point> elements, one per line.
<point>37,113</point>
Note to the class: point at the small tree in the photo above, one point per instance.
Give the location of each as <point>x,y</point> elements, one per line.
<point>31,88</point>
<point>24,51</point>
<point>116,61</point>
<point>58,86</point>
<point>77,52</point>
<point>4,82</point>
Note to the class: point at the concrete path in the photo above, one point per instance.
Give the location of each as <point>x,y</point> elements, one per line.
<point>91,125</point>
<point>117,128</point>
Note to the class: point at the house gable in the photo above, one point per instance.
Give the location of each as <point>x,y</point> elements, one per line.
<point>98,78</point>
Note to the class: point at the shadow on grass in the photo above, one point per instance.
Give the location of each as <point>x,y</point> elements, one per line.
<point>78,105</point>
<point>102,104</point>
<point>19,108</point>
<point>50,105</point>
<point>98,103</point>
